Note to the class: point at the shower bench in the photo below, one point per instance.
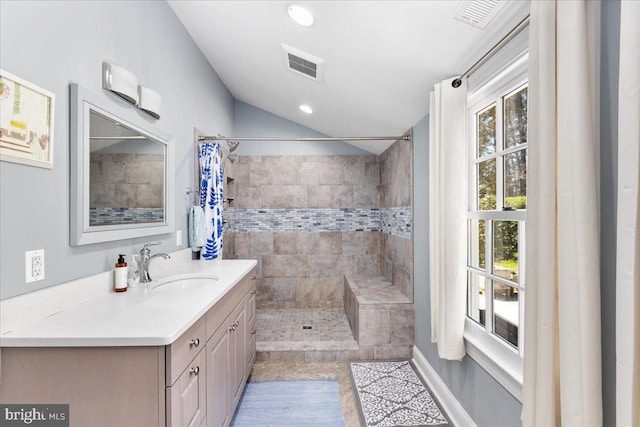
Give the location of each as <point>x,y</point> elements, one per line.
<point>380,315</point>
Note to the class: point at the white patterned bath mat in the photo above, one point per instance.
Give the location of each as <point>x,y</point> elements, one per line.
<point>390,394</point>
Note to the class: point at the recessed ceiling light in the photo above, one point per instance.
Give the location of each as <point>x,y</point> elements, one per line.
<point>301,15</point>
<point>306,109</point>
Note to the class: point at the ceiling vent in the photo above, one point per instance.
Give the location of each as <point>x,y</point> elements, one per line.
<point>478,13</point>
<point>303,63</point>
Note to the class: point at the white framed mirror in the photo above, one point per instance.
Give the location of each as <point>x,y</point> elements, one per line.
<point>121,172</point>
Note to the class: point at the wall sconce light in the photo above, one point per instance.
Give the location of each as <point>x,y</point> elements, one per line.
<point>149,101</point>
<point>120,81</point>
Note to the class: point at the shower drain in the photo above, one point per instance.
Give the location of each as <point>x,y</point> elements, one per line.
<point>306,327</point>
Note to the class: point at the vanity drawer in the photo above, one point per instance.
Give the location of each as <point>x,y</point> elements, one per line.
<point>184,349</point>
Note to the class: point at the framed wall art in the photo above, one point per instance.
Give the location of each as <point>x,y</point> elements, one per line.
<point>26,122</point>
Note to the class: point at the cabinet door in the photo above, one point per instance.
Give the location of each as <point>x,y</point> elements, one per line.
<point>218,378</point>
<point>237,354</point>
<point>186,399</point>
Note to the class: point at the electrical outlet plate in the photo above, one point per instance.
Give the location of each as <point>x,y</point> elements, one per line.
<point>178,237</point>
<point>34,265</point>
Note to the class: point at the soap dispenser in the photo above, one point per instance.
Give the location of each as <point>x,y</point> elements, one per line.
<point>121,275</point>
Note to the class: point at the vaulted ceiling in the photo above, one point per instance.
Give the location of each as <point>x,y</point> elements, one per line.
<point>380,58</point>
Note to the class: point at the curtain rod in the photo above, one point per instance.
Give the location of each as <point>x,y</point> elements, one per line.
<point>511,34</point>
<point>271,138</point>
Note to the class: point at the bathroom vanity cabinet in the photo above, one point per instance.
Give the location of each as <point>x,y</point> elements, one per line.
<point>196,380</point>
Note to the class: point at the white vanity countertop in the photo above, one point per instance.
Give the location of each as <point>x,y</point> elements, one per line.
<point>139,317</point>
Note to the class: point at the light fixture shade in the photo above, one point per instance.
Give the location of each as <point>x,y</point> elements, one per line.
<point>300,15</point>
<point>120,81</point>
<point>150,101</point>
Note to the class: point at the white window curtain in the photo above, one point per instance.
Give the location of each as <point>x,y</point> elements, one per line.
<point>628,235</point>
<point>562,350</point>
<point>447,217</point>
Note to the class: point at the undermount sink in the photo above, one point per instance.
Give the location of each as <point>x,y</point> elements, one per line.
<point>183,282</point>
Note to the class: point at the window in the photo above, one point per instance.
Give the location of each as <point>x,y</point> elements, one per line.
<point>496,222</point>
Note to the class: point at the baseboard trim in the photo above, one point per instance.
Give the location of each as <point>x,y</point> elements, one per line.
<point>441,392</point>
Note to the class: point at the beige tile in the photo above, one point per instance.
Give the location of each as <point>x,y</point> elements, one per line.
<point>285,243</point>
<point>320,243</point>
<point>284,196</point>
<point>330,196</point>
<point>367,264</point>
<point>372,173</point>
<point>330,173</point>
<point>392,351</point>
<point>261,242</point>
<point>264,289</point>
<point>372,242</point>
<point>332,288</point>
<point>374,327</point>
<point>353,173</point>
<point>286,356</point>
<point>284,289</point>
<point>403,280</point>
<point>248,197</point>
<point>402,327</point>
<point>309,173</point>
<point>365,196</point>
<point>308,290</point>
<point>240,173</point>
<point>286,172</point>
<point>328,265</point>
<point>241,244</point>
<point>260,174</point>
<point>285,266</point>
<point>353,242</point>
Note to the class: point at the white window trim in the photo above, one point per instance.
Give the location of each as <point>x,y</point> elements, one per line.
<point>498,358</point>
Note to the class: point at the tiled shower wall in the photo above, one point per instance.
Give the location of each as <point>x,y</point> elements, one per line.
<point>309,220</point>
<point>396,189</point>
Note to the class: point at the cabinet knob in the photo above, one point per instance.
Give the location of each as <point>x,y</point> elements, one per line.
<point>232,327</point>
<point>195,342</point>
<point>253,291</point>
<point>194,371</point>
<point>254,277</point>
<point>253,332</point>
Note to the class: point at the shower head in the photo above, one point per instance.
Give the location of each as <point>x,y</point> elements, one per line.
<point>233,157</point>
<point>232,145</point>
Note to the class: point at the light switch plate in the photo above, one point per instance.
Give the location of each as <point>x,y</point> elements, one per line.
<point>34,265</point>
<point>178,237</point>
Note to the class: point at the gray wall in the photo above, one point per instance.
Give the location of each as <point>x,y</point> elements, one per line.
<point>609,71</point>
<point>482,397</point>
<point>250,121</point>
<point>54,43</point>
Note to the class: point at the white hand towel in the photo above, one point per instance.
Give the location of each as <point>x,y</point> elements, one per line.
<point>197,229</point>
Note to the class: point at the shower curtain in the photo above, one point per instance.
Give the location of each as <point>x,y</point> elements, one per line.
<point>211,197</point>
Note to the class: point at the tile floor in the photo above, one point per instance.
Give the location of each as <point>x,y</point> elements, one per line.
<point>291,325</point>
<point>288,335</point>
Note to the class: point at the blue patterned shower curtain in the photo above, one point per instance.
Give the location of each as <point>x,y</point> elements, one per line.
<point>211,197</point>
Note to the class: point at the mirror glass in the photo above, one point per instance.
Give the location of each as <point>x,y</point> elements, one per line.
<point>126,174</point>
<point>121,171</point>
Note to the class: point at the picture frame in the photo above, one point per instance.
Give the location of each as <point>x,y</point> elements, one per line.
<point>26,122</point>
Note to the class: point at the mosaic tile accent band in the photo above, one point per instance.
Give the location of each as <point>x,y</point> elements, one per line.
<point>110,216</point>
<point>396,221</point>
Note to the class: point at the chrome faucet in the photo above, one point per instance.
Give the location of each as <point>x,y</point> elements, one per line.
<point>145,260</point>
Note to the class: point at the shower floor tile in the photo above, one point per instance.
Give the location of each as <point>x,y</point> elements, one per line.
<point>303,329</point>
